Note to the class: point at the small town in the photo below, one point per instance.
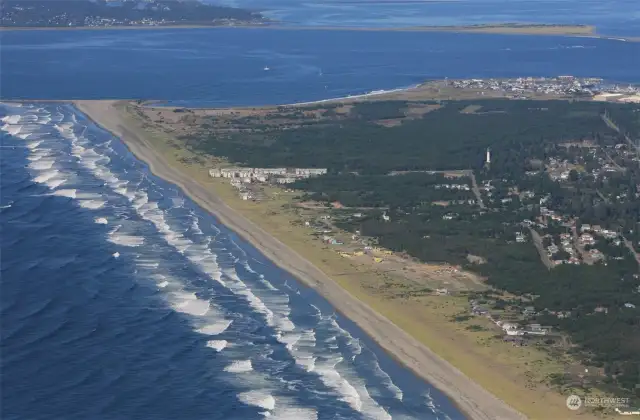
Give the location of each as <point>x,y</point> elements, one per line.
<point>519,87</point>
<point>115,13</point>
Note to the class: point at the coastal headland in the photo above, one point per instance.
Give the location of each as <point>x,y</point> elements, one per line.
<point>390,296</point>
<point>472,399</point>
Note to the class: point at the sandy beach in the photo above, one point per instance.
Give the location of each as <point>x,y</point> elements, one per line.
<point>471,398</point>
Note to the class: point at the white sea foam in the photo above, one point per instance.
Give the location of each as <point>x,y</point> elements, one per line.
<point>92,204</point>
<point>116,254</point>
<point>189,304</point>
<point>340,376</point>
<point>308,363</point>
<point>41,163</point>
<point>217,345</point>
<point>12,129</point>
<point>52,178</point>
<point>258,399</point>
<point>239,366</point>
<point>215,328</point>
<point>71,193</point>
<point>195,227</point>
<point>147,264</point>
<point>385,379</point>
<point>42,178</point>
<point>11,119</point>
<point>177,201</point>
<point>266,282</point>
<point>124,239</point>
<point>290,411</point>
<point>101,220</point>
<point>271,303</point>
<point>44,120</point>
<point>34,144</point>
<point>276,311</point>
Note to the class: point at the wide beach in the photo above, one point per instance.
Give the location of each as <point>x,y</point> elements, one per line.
<point>476,402</point>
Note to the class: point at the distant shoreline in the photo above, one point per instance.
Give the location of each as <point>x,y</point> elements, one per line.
<point>587,31</point>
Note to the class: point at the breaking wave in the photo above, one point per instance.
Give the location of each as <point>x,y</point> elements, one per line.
<point>282,354</point>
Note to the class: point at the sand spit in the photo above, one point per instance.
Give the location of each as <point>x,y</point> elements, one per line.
<point>471,398</point>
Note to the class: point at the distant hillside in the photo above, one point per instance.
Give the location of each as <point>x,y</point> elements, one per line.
<point>103,13</point>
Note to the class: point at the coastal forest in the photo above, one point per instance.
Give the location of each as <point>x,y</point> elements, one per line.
<point>383,156</point>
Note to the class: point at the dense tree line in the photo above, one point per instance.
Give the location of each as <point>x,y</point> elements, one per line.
<point>407,190</point>
<point>441,139</point>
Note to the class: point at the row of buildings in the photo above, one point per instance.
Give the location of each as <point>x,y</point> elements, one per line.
<point>275,175</point>
<point>460,187</point>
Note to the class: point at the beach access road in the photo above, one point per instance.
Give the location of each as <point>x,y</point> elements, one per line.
<point>472,399</point>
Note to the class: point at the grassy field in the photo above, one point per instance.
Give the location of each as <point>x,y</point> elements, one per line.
<point>517,375</point>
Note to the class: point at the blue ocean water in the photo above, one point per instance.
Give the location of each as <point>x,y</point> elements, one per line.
<point>217,67</point>
<point>122,299</point>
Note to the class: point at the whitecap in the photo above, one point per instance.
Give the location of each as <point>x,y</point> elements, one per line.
<point>11,119</point>
<point>92,204</point>
<point>177,201</point>
<point>292,412</point>
<point>190,304</point>
<point>215,328</point>
<point>217,345</point>
<point>239,366</point>
<point>258,399</point>
<point>308,363</point>
<point>124,239</point>
<point>70,193</point>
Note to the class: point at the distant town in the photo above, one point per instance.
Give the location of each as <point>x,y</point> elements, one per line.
<point>117,13</point>
<point>523,87</point>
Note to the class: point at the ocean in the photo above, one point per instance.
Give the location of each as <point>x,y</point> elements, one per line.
<point>220,67</point>
<point>123,299</point>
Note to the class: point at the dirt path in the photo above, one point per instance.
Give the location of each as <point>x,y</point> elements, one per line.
<point>615,127</point>
<point>537,241</point>
<point>629,246</point>
<point>476,190</point>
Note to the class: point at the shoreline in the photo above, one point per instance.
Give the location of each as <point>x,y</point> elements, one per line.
<point>573,31</point>
<point>469,397</point>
